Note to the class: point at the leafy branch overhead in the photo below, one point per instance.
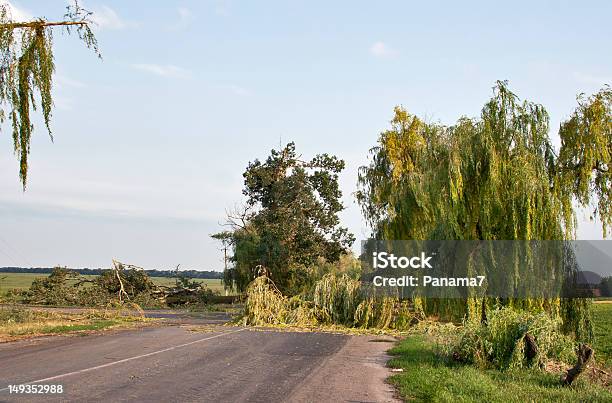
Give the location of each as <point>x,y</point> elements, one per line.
<point>27,66</point>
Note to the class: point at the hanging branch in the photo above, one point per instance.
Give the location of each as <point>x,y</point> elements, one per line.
<point>27,66</point>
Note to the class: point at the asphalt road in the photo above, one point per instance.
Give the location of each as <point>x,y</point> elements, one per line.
<point>188,363</point>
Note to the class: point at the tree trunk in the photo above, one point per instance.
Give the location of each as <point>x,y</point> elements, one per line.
<point>531,348</point>
<point>585,355</point>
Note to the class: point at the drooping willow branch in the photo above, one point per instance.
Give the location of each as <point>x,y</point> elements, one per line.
<point>26,72</point>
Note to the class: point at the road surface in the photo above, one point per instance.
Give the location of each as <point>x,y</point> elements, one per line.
<point>193,363</point>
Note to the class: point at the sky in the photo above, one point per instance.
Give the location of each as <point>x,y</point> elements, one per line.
<point>150,143</point>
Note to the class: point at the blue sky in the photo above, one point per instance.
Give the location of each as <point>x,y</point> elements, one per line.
<point>150,143</point>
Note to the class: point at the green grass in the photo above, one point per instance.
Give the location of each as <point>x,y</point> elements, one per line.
<point>427,378</point>
<point>23,281</point>
<point>602,326</point>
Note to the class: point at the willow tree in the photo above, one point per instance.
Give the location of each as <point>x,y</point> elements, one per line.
<point>496,177</point>
<point>26,71</point>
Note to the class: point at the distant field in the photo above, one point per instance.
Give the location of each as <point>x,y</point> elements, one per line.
<point>23,280</point>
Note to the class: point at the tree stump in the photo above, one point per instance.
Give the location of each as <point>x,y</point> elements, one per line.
<point>531,348</point>
<point>585,355</point>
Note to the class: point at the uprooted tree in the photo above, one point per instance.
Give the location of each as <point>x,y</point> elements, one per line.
<point>496,177</point>
<point>290,221</point>
<point>26,70</point>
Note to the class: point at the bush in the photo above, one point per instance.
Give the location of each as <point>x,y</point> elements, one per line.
<point>53,290</point>
<point>501,342</point>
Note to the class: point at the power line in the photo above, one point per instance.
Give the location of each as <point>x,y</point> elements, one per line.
<point>10,257</point>
<point>16,252</point>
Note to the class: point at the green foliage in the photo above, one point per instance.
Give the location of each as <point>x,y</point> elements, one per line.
<point>487,178</point>
<point>290,221</point>
<point>584,166</point>
<point>135,282</point>
<point>336,300</point>
<point>495,177</point>
<point>347,265</point>
<point>26,69</point>
<point>605,286</point>
<point>265,304</point>
<point>576,315</point>
<point>67,287</point>
<point>53,290</point>
<point>500,343</point>
<point>245,243</point>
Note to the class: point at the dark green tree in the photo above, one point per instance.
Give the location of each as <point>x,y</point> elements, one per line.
<point>605,287</point>
<point>290,221</point>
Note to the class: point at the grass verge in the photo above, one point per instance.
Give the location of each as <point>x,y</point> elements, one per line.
<point>427,377</point>
<point>19,322</point>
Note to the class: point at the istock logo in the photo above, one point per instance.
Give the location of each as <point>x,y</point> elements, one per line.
<point>383,260</point>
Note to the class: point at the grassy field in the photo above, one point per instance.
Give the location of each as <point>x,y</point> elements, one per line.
<point>428,377</point>
<point>23,280</point>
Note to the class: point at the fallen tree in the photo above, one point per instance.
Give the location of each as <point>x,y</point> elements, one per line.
<point>120,284</point>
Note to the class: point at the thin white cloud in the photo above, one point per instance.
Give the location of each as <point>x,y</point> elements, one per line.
<point>381,49</point>
<point>185,15</point>
<point>64,81</point>
<point>17,13</point>
<point>185,18</point>
<point>62,98</point>
<point>592,79</point>
<point>238,90</point>
<point>162,70</point>
<point>105,18</point>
